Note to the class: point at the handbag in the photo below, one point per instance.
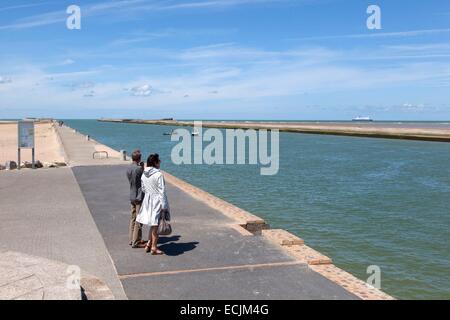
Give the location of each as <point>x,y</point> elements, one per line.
<point>164,227</point>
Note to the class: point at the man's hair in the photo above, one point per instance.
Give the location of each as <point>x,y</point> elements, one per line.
<point>136,156</point>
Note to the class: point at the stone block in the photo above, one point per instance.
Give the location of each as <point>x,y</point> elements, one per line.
<point>282,237</point>
<point>308,255</point>
<point>11,165</point>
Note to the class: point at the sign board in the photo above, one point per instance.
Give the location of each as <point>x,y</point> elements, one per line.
<point>26,134</point>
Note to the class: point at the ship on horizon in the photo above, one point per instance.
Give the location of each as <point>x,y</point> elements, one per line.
<point>362,119</point>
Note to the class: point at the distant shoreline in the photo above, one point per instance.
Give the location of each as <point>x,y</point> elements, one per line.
<point>355,129</point>
<point>264,120</point>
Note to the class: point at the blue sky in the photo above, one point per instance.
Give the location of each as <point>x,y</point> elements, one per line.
<point>210,59</point>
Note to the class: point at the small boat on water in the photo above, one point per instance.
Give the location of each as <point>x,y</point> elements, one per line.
<point>362,119</point>
<point>173,132</point>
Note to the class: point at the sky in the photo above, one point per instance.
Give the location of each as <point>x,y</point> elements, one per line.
<point>225,59</point>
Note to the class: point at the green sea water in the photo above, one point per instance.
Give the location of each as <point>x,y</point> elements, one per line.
<point>361,201</point>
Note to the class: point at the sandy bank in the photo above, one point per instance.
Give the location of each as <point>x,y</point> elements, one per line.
<point>371,130</point>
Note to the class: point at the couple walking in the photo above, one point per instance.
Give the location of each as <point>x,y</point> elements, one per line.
<point>148,201</point>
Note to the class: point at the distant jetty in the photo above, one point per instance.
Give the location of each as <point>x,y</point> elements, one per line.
<point>370,130</point>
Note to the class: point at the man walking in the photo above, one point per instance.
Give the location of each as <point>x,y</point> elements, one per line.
<point>134,174</point>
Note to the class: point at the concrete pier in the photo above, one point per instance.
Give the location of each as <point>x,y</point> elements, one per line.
<point>43,213</point>
<point>79,215</point>
<point>370,130</point>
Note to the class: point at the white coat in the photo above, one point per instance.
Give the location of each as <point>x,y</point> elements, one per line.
<point>155,199</point>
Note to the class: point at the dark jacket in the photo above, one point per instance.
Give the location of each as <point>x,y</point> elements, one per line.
<point>134,174</point>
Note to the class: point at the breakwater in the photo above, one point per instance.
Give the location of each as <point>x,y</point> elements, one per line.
<point>341,129</point>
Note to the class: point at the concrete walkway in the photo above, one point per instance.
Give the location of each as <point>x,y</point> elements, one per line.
<point>79,151</point>
<point>24,277</point>
<point>206,257</point>
<point>43,213</point>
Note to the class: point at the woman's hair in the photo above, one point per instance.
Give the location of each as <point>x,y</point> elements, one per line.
<point>153,160</point>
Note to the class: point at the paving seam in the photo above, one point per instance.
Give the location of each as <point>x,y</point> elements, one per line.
<point>236,267</point>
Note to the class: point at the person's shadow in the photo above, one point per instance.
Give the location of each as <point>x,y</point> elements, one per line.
<point>163,239</point>
<point>171,247</point>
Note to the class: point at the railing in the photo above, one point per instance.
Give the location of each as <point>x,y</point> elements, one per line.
<point>100,152</point>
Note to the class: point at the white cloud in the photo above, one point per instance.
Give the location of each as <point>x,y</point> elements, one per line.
<point>410,33</point>
<point>142,37</point>
<point>208,75</point>
<point>123,7</point>
<point>68,62</point>
<point>23,6</point>
<point>37,21</point>
<point>414,106</point>
<point>4,80</point>
<point>141,91</point>
<point>83,85</point>
<point>89,94</point>
<point>212,4</point>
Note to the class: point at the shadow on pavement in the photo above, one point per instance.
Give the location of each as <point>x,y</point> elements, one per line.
<point>171,248</point>
<point>163,240</point>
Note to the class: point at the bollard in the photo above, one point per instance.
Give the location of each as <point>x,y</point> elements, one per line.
<point>124,154</point>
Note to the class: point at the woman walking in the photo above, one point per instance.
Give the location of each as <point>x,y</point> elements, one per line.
<point>155,202</point>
